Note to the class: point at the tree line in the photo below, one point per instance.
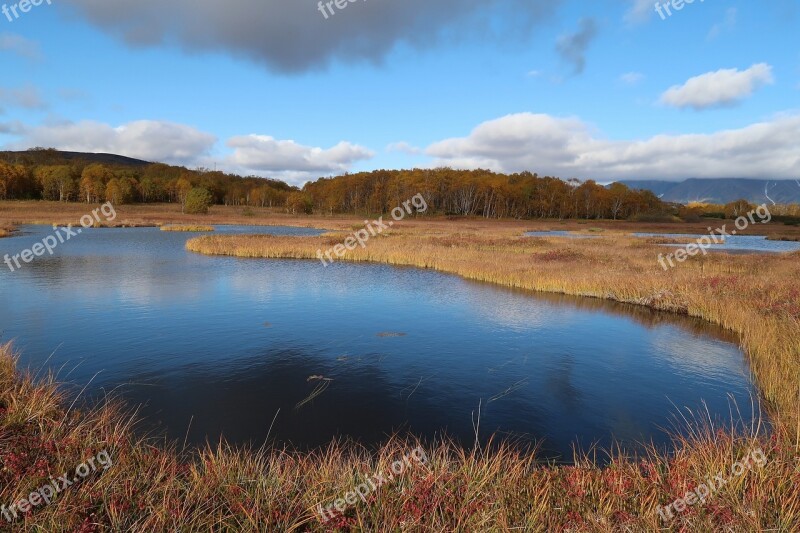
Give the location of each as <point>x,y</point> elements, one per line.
<point>49,175</point>
<point>479,193</point>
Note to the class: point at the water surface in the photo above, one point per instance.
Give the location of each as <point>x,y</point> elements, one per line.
<point>733,243</point>
<point>217,346</point>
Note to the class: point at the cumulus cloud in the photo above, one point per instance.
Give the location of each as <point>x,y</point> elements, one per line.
<point>293,36</point>
<point>19,45</point>
<point>567,147</point>
<point>290,160</point>
<point>572,47</point>
<point>726,87</point>
<point>144,139</point>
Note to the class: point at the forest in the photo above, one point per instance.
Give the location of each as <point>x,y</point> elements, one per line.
<point>48,174</point>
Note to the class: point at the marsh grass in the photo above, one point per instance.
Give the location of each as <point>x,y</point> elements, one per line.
<point>188,228</point>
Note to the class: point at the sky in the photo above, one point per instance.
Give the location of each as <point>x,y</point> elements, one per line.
<point>297,89</point>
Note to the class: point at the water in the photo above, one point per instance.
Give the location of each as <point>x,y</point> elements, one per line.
<point>733,243</point>
<point>217,346</point>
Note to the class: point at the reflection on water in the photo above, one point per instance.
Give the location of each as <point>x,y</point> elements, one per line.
<point>185,335</point>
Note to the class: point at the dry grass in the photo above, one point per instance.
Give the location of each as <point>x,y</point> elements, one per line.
<point>153,487</point>
<point>188,229</point>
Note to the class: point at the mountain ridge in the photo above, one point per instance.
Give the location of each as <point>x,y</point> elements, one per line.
<point>722,190</point>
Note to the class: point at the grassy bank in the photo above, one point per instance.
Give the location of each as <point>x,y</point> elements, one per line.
<point>188,229</point>
<point>153,487</point>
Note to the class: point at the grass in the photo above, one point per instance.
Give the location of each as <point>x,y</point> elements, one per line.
<point>153,486</point>
<point>188,228</point>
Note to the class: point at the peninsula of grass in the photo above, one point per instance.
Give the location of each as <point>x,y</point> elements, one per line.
<point>755,296</point>
<point>188,228</point>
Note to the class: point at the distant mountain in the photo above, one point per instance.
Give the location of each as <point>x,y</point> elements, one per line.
<point>57,156</point>
<point>722,191</point>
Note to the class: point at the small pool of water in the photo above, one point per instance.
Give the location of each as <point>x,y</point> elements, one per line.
<point>733,243</point>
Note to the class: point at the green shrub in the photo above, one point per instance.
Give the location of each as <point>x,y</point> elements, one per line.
<point>198,201</point>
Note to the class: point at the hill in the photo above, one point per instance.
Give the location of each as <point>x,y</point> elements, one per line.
<point>50,156</point>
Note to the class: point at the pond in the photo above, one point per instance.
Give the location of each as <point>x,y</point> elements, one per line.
<point>298,353</point>
<point>732,243</point>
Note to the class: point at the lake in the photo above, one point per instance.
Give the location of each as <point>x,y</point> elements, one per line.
<point>215,346</point>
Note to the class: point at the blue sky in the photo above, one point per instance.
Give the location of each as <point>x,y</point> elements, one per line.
<point>601,90</point>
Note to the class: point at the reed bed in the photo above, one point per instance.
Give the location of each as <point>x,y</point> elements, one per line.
<point>154,486</point>
<point>188,228</point>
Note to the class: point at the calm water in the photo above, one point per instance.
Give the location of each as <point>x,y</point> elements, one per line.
<point>733,243</point>
<point>217,346</point>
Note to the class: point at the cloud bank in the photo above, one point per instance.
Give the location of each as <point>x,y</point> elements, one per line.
<point>567,147</point>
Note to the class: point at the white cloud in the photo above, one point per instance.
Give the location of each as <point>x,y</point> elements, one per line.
<point>724,87</point>
<point>640,11</point>
<point>19,45</point>
<point>294,161</point>
<point>632,78</point>
<point>567,147</point>
<point>144,139</point>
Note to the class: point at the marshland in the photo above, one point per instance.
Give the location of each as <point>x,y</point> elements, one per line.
<point>407,267</point>
<point>277,382</point>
